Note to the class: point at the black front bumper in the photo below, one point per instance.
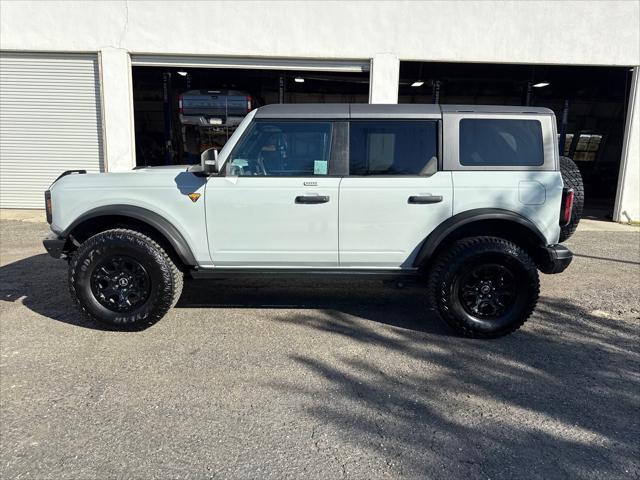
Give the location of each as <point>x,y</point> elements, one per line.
<point>554,259</point>
<point>55,245</point>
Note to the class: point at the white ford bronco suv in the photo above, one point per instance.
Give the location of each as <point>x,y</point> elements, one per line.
<point>473,200</point>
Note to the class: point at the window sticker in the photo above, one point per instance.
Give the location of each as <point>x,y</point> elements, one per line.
<point>320,167</point>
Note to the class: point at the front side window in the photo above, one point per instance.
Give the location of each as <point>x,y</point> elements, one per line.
<point>500,142</point>
<point>401,147</point>
<point>282,149</point>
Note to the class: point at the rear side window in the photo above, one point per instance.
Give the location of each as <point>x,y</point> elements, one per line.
<point>282,149</point>
<point>392,147</point>
<point>501,142</point>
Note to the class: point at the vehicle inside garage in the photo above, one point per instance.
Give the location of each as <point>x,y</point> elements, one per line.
<point>180,112</point>
<point>590,104</point>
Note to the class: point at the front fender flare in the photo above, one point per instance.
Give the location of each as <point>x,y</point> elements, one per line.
<point>153,219</point>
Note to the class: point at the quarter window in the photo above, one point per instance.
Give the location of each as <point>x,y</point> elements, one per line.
<point>393,147</point>
<point>493,142</point>
<point>282,149</point>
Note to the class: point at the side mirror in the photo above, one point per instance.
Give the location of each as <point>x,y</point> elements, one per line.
<point>209,160</point>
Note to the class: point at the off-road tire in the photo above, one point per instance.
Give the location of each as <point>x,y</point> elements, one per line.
<point>165,278</point>
<point>572,179</point>
<point>452,264</point>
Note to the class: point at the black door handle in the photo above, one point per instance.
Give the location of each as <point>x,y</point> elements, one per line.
<point>425,198</point>
<point>308,199</point>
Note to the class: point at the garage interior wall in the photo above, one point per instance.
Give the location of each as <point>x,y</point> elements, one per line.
<point>50,121</point>
<point>164,129</point>
<point>590,104</point>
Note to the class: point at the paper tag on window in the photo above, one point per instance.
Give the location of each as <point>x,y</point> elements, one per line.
<point>320,167</point>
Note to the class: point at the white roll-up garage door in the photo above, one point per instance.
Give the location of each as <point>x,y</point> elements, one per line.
<point>50,121</point>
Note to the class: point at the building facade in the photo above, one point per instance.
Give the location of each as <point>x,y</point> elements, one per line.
<point>97,85</point>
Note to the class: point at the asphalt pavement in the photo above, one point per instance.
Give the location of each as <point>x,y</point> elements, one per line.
<point>358,380</point>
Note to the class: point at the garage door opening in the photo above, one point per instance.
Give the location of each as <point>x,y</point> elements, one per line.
<point>180,112</point>
<point>589,102</point>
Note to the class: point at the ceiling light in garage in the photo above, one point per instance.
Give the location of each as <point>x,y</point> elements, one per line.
<point>541,84</point>
<point>182,74</point>
<point>299,80</point>
<point>419,83</point>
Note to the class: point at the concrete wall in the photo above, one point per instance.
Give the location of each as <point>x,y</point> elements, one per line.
<point>627,206</point>
<point>547,32</point>
<point>566,32</point>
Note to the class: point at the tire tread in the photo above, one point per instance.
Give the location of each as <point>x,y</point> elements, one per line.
<point>572,179</point>
<point>168,298</point>
<point>438,298</point>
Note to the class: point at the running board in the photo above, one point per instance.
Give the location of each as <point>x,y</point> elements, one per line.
<point>216,273</point>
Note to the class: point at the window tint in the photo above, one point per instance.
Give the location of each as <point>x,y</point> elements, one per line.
<point>487,142</point>
<point>392,147</point>
<point>282,149</point>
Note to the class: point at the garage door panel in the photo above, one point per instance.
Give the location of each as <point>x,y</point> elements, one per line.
<point>50,121</point>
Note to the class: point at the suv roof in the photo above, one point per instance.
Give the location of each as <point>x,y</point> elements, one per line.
<point>367,110</point>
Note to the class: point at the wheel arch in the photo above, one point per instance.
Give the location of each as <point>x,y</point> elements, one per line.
<point>129,216</point>
<point>480,222</point>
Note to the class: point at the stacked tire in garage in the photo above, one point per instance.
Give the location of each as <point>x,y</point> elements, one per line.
<point>572,179</point>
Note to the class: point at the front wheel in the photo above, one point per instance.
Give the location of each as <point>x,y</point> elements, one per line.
<point>124,279</point>
<point>484,287</point>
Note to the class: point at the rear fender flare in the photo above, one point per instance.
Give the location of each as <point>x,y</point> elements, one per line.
<point>449,226</point>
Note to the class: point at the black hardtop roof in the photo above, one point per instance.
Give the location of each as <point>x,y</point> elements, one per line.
<point>382,110</point>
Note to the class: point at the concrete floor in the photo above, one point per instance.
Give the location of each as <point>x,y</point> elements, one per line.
<point>295,379</point>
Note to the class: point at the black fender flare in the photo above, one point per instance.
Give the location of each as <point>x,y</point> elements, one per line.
<point>153,219</point>
<point>435,238</point>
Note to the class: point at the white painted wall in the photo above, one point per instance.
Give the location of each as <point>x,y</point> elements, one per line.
<point>627,206</point>
<point>384,79</point>
<point>565,32</point>
<point>547,32</point>
<point>117,92</point>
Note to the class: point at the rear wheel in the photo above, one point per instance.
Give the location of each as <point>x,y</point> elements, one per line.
<point>484,287</point>
<point>572,179</point>
<point>124,279</point>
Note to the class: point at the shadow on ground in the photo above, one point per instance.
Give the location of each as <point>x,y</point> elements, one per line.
<point>558,399</point>
<point>41,284</point>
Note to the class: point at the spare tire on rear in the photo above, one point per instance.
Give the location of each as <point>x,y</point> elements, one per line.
<point>572,179</point>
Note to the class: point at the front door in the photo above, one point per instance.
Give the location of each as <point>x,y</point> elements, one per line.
<point>394,195</point>
<point>276,205</point>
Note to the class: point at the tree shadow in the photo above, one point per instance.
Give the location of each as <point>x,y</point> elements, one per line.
<point>556,400</point>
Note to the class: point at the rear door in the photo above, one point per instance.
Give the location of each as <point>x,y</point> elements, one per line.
<point>395,194</point>
<point>276,204</point>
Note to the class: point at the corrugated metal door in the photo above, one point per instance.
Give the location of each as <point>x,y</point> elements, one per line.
<point>50,121</point>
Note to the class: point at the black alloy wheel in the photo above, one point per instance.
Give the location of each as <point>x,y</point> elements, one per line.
<point>120,283</point>
<point>487,290</point>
